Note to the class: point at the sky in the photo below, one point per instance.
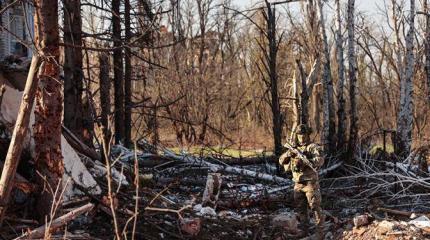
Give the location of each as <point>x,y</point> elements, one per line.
<point>369,6</point>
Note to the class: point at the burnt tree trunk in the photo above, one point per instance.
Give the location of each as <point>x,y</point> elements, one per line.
<point>127,77</point>
<point>73,74</point>
<point>104,95</point>
<point>49,99</point>
<point>273,76</point>
<point>118,72</point>
<point>341,116</point>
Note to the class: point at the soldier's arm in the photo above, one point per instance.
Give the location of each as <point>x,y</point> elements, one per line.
<point>285,160</point>
<point>317,152</point>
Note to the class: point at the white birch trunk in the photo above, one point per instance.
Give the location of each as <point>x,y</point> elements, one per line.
<point>328,102</point>
<point>352,71</point>
<point>296,110</point>
<point>405,114</point>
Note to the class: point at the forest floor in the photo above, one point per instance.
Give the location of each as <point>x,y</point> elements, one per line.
<point>369,200</point>
<point>262,220</point>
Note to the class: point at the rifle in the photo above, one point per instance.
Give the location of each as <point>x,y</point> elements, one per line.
<point>301,156</point>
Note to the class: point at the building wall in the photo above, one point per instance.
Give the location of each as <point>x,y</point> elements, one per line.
<point>20,30</point>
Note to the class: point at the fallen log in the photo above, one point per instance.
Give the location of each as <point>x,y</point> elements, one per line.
<point>56,223</point>
<point>395,212</point>
<point>225,168</point>
<point>249,160</point>
<point>163,181</point>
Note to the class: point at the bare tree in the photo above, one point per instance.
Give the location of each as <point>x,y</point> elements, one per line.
<point>73,75</point>
<point>48,111</point>
<point>405,113</point>
<point>329,123</point>
<point>105,104</point>
<point>118,72</point>
<point>127,75</point>
<point>341,116</point>
<point>271,58</point>
<point>352,73</point>
<point>427,46</point>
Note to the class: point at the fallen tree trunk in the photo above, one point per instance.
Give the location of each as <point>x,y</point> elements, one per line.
<point>226,168</point>
<point>250,160</point>
<point>56,223</point>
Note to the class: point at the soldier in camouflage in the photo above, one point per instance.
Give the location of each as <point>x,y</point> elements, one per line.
<point>306,188</point>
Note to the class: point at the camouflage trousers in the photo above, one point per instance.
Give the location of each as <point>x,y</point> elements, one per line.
<point>307,194</point>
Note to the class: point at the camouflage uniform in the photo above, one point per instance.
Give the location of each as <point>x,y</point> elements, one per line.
<point>306,188</point>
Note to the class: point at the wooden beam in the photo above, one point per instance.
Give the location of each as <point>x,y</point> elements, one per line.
<point>18,135</point>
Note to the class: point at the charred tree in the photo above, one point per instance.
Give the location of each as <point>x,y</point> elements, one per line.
<point>127,76</point>
<point>118,72</point>
<point>104,95</point>
<point>49,108</point>
<point>73,74</point>
<point>341,116</point>
<point>271,58</point>
<point>352,72</point>
<point>405,113</point>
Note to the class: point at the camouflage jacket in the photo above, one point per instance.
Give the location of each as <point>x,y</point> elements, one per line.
<point>300,170</point>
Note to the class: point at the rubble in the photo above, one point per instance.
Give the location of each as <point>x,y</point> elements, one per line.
<point>361,220</point>
<point>207,211</point>
<point>385,226</point>
<point>191,226</point>
<point>286,220</point>
<point>73,166</point>
<point>422,222</point>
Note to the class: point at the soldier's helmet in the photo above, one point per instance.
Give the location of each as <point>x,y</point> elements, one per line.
<point>302,129</point>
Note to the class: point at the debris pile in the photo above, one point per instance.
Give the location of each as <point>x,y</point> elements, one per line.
<point>390,229</point>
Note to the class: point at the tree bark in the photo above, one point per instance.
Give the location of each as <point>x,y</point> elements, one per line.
<point>118,72</point>
<point>405,114</point>
<point>273,52</point>
<point>73,73</point>
<point>127,76</point>
<point>352,72</point>
<point>105,96</point>
<point>341,116</point>
<point>329,123</point>
<point>47,127</point>
<point>427,48</point>
<point>18,136</point>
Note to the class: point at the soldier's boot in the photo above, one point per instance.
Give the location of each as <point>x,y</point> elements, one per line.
<point>319,222</point>
<point>304,218</point>
<point>301,205</point>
